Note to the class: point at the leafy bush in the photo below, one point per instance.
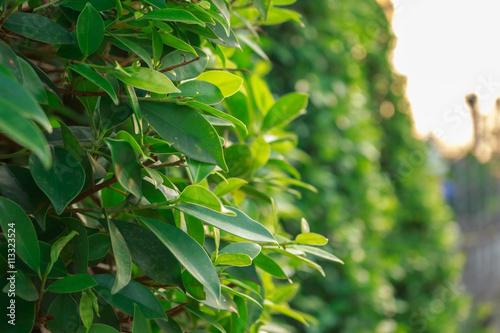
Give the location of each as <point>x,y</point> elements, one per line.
<point>143,159</point>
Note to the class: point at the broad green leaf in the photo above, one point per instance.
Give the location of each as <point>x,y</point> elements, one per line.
<point>97,79</point>
<point>240,225</point>
<point>228,83</point>
<point>15,223</point>
<point>24,317</point>
<point>49,84</point>
<point>133,293</point>
<point>72,284</point>
<point>156,3</point>
<point>199,195</point>
<point>99,328</point>
<point>127,169</point>
<point>242,295</point>
<point>79,244</point>
<point>311,239</point>
<point>9,59</point>
<point>99,5</point>
<point>21,285</point>
<point>157,44</point>
<point>37,27</point>
<point>269,265</point>
<point>140,324</point>
<point>149,254</point>
<point>199,170</point>
<point>126,136</point>
<point>205,317</point>
<point>173,15</point>
<point>277,15</point>
<point>228,186</point>
<point>58,269</point>
<point>98,246</point>
<point>200,91</point>
<point>250,249</point>
<point>146,79</point>
<point>111,115</point>
<point>315,251</point>
<point>233,259</point>
<point>261,94</point>
<point>224,38</point>
<point>295,182</point>
<point>189,253</point>
<point>122,257</point>
<point>186,130</point>
<point>301,259</point>
<point>221,5</point>
<point>219,114</point>
<point>285,166</point>
<point>62,182</point>
<point>56,249</point>
<point>285,110</point>
<point>193,286</point>
<point>261,150</point>
<point>239,160</point>
<point>17,184</point>
<point>32,83</point>
<point>185,71</point>
<point>176,43</point>
<point>89,30</point>
<point>136,49</point>
<point>86,310</point>
<point>263,7</point>
<point>287,311</point>
<point>65,313</point>
<point>195,228</point>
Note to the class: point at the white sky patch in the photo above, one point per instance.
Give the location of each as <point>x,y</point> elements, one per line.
<point>447,49</point>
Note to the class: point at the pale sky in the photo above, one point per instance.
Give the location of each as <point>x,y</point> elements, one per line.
<point>447,49</point>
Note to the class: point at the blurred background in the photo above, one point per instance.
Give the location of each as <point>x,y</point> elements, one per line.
<point>400,141</point>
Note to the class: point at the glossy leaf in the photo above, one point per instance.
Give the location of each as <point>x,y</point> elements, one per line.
<point>219,114</point>
<point>125,165</point>
<point>89,30</point>
<point>95,78</point>
<point>62,182</point>
<point>98,246</point>
<point>285,110</point>
<point>140,324</point>
<point>37,27</point>
<point>316,251</point>
<point>233,259</point>
<point>269,265</point>
<point>146,79</point>
<point>250,249</point>
<point>176,43</point>
<point>72,284</point>
<point>200,91</point>
<point>15,223</point>
<point>199,170</point>
<point>65,313</point>
<point>221,5</point>
<point>263,7</point>
<point>173,15</point>
<point>32,83</point>
<point>228,186</point>
<point>187,71</point>
<point>228,83</point>
<point>135,48</point>
<point>110,114</point>
<point>9,59</point>
<point>199,195</point>
<point>186,130</point>
<point>189,253</point>
<point>99,5</point>
<point>56,249</point>
<point>122,257</point>
<point>311,239</point>
<point>22,286</point>
<point>240,225</point>
<point>24,314</point>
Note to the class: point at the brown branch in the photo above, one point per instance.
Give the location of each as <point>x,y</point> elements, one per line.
<point>184,63</point>
<point>178,309</point>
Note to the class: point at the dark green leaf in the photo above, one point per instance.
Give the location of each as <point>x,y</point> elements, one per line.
<point>100,328</point>
<point>133,293</point>
<point>9,59</point>
<point>123,259</point>
<point>57,247</point>
<point>37,27</point>
<point>199,170</point>
<point>95,78</point>
<point>135,48</point>
<point>98,246</point>
<point>72,284</point>
<point>146,79</point>
<point>112,115</point>
<point>15,223</point>
<point>66,315</point>
<point>140,324</point>
<point>176,43</point>
<point>219,114</point>
<point>174,15</point>
<point>127,169</point>
<point>239,160</point>
<point>263,7</point>
<point>250,249</point>
<point>186,130</point>
<point>99,5</point>
<point>62,182</point>
<point>205,317</point>
<point>22,286</point>
<point>269,265</point>
<point>240,225</point>
<point>89,30</point>
<point>200,91</point>
<point>285,110</point>
<point>32,83</point>
<point>188,71</point>
<point>79,243</point>
<point>23,316</point>
<point>193,286</point>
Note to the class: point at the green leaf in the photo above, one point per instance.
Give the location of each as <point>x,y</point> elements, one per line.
<point>233,259</point>
<point>199,195</point>
<point>219,114</point>
<point>285,110</point>
<point>66,315</point>
<point>96,79</point>
<point>9,59</point>
<point>146,79</point>
<point>140,324</point>
<point>200,91</point>
<point>21,285</point>
<point>89,30</point>
<point>32,83</point>
<point>205,317</point>
<point>136,49</point>
<point>58,269</point>
<point>240,225</point>
<point>56,249</point>
<point>133,293</point>
<point>126,136</point>
<point>221,5</point>
<point>149,253</point>
<point>199,170</point>
<point>250,249</point>
<point>111,115</point>
<point>173,15</point>
<point>186,130</point>
<point>157,44</point>
<point>38,28</point>
<point>100,328</point>
<point>239,160</point>
<point>229,186</point>
<point>240,294</point>
<point>261,94</point>
<point>263,7</point>
<point>185,71</point>
<point>24,316</point>
<point>79,243</point>
<point>295,182</point>
<point>269,265</point>
<point>122,257</point>
<point>15,223</point>
<point>99,5</point>
<point>189,253</point>
<point>86,310</point>
<point>127,169</point>
<point>301,259</point>
<point>315,251</point>
<point>98,246</point>
<point>176,43</point>
<point>284,309</point>
<point>72,284</point>
<point>228,83</point>
<point>62,182</point>
<point>261,150</point>
<point>311,239</point>
<point>193,286</point>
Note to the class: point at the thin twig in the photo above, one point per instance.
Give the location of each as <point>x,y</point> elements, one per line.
<point>184,63</point>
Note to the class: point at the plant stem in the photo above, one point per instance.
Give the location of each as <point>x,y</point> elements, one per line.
<point>179,65</point>
<point>20,153</point>
<point>48,4</point>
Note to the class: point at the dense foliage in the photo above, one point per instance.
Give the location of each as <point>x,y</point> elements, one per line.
<point>140,162</point>
<point>380,199</point>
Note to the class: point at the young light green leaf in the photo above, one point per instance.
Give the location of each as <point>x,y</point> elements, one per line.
<point>228,83</point>
<point>201,91</point>
<point>171,40</point>
<point>122,258</point>
<point>146,79</point>
<point>173,15</point>
<point>316,251</point>
<point>233,259</point>
<point>285,110</point>
<point>86,310</point>
<point>199,195</point>
<point>219,114</point>
<point>127,169</point>
<point>72,284</point>
<point>250,249</point>
<point>311,239</point>
<point>126,136</point>
<point>89,30</point>
<point>97,79</point>
<point>240,225</point>
<point>56,249</point>
<point>189,253</point>
<point>228,186</point>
